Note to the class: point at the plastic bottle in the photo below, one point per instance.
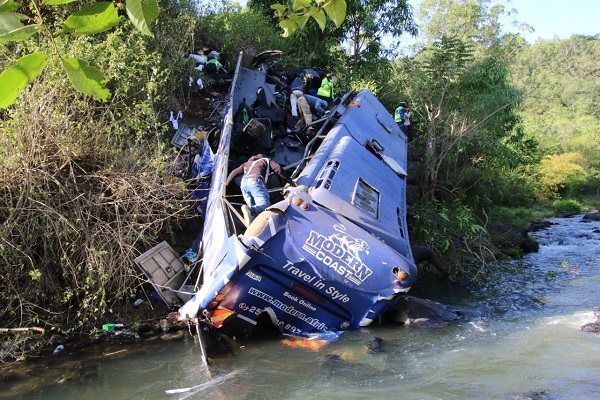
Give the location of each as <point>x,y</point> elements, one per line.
<point>58,350</point>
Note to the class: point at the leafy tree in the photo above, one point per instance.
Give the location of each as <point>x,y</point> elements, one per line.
<point>85,184</point>
<point>367,21</point>
<point>235,30</point>
<point>562,173</point>
<point>433,77</point>
<point>560,109</point>
<point>465,105</point>
<point>476,20</point>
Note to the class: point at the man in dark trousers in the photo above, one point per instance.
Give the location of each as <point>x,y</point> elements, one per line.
<point>254,184</point>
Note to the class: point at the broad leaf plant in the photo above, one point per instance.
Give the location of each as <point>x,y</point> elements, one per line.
<point>301,11</point>
<point>96,18</point>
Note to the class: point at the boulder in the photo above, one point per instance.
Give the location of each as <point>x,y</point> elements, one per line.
<point>531,395</point>
<point>505,236</point>
<point>423,313</point>
<point>564,214</point>
<point>536,226</point>
<point>592,215</point>
<point>593,327</point>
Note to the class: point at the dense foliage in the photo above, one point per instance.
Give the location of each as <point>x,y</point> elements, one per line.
<point>561,110</point>
<point>84,184</point>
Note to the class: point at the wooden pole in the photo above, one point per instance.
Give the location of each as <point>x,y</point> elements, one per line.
<point>33,328</point>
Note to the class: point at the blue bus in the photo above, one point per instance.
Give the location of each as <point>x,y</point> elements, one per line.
<point>332,250</point>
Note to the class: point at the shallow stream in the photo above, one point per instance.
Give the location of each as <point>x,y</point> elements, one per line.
<point>523,340</point>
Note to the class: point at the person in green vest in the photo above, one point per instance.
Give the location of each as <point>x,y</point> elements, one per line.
<point>214,68</point>
<point>399,115</point>
<point>213,65</point>
<point>325,92</point>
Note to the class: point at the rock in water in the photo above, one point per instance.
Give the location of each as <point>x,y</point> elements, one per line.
<point>593,327</point>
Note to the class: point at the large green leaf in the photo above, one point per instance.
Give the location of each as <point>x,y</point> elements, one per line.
<point>336,11</point>
<point>12,29</point>
<point>98,17</point>
<point>14,79</point>
<point>9,5</point>
<point>288,26</point>
<point>56,2</point>
<point>279,7</point>
<point>300,4</point>
<point>141,12</point>
<point>320,17</point>
<point>86,79</point>
<point>300,20</point>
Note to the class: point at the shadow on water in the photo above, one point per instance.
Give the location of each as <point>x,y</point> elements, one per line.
<point>522,341</point>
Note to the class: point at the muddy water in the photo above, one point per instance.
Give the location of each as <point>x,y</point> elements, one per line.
<point>523,338</point>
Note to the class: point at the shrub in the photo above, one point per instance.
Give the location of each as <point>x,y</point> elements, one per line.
<point>567,205</point>
<point>562,173</point>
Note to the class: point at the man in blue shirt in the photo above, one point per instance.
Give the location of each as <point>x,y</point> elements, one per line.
<point>309,106</point>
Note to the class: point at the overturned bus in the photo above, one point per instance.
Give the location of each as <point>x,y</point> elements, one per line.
<point>332,250</point>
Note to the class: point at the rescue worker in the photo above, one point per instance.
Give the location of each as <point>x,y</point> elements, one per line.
<point>299,87</point>
<point>325,92</point>
<point>213,65</point>
<point>399,115</point>
<point>214,68</point>
<point>406,126</point>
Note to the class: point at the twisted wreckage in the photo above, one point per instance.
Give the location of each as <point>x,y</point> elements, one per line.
<point>332,251</point>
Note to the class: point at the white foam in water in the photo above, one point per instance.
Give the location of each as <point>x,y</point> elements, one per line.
<point>575,320</point>
<point>477,325</point>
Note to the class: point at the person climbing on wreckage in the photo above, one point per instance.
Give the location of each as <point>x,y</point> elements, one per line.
<point>253,185</point>
<point>296,90</point>
<point>309,106</point>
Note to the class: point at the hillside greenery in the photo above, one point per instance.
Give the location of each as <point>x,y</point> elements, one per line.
<point>501,130</point>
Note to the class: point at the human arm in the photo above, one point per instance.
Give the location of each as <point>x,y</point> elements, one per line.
<point>280,171</point>
<point>233,174</point>
<point>320,107</point>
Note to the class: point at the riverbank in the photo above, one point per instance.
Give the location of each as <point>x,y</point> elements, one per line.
<point>527,327</point>
<point>133,326</point>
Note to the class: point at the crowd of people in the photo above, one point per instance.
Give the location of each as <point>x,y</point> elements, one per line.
<point>306,101</point>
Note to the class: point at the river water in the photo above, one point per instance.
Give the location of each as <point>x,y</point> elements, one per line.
<point>523,338</point>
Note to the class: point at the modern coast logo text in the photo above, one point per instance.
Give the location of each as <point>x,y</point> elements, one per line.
<point>340,252</point>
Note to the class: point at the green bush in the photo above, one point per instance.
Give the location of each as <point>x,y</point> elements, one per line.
<point>567,205</point>
<point>235,31</point>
